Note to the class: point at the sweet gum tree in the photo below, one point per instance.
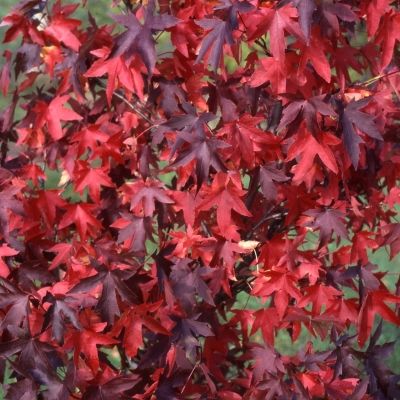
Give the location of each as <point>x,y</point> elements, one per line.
<point>192,189</point>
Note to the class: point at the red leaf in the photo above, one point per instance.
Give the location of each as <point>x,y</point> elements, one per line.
<point>63,251</point>
<point>92,178</point>
<point>315,52</point>
<point>224,193</point>
<point>375,304</point>
<point>62,29</point>
<point>271,70</point>
<point>5,73</point>
<point>86,342</point>
<point>319,295</point>
<point>133,322</point>
<point>5,251</point>
<point>119,73</point>
<point>327,222</point>
<point>143,195</point>
<point>53,113</point>
<point>276,22</point>
<point>268,321</point>
<point>81,216</point>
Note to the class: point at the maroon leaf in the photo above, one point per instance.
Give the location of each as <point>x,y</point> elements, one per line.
<point>112,282</point>
<point>58,311</point>
<point>306,10</point>
<point>220,33</point>
<point>351,117</point>
<point>133,232</point>
<point>328,221</point>
<point>138,38</point>
<point>269,175</point>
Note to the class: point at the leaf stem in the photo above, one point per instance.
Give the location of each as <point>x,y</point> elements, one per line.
<point>377,78</point>
<point>190,375</point>
<point>132,106</point>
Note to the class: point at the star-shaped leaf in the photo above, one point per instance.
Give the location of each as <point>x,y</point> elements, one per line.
<point>328,221</point>
<point>203,149</point>
<point>80,215</point>
<point>133,231</point>
<point>112,281</point>
<point>53,113</point>
<point>306,9</point>
<point>225,193</point>
<point>351,117</point>
<point>138,37</point>
<point>55,315</point>
<point>92,178</point>
<point>142,196</point>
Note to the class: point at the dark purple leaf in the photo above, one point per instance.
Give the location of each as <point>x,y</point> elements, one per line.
<point>113,283</point>
<point>171,96</point>
<point>113,389</point>
<point>331,12</point>
<point>24,389</point>
<point>328,222</point>
<point>308,109</point>
<point>306,9</point>
<point>267,361</point>
<point>56,314</point>
<point>139,38</point>
<point>186,332</point>
<point>232,8</point>
<point>187,283</point>
<point>351,117</point>
<point>269,175</point>
<point>202,149</point>
<point>220,33</point>
<point>135,234</point>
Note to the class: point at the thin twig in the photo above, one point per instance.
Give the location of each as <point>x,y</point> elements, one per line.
<point>258,270</point>
<point>208,126</point>
<point>377,78</point>
<point>262,221</point>
<point>205,228</point>
<point>249,283</point>
<point>190,375</point>
<point>147,129</point>
<point>158,35</point>
<point>241,18</point>
<point>132,106</point>
<point>127,102</point>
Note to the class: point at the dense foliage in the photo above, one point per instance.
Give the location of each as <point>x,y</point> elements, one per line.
<point>183,186</point>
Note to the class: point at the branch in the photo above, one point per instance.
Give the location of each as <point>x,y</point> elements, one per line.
<point>267,217</point>
<point>133,107</point>
<point>377,78</point>
<point>128,103</point>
